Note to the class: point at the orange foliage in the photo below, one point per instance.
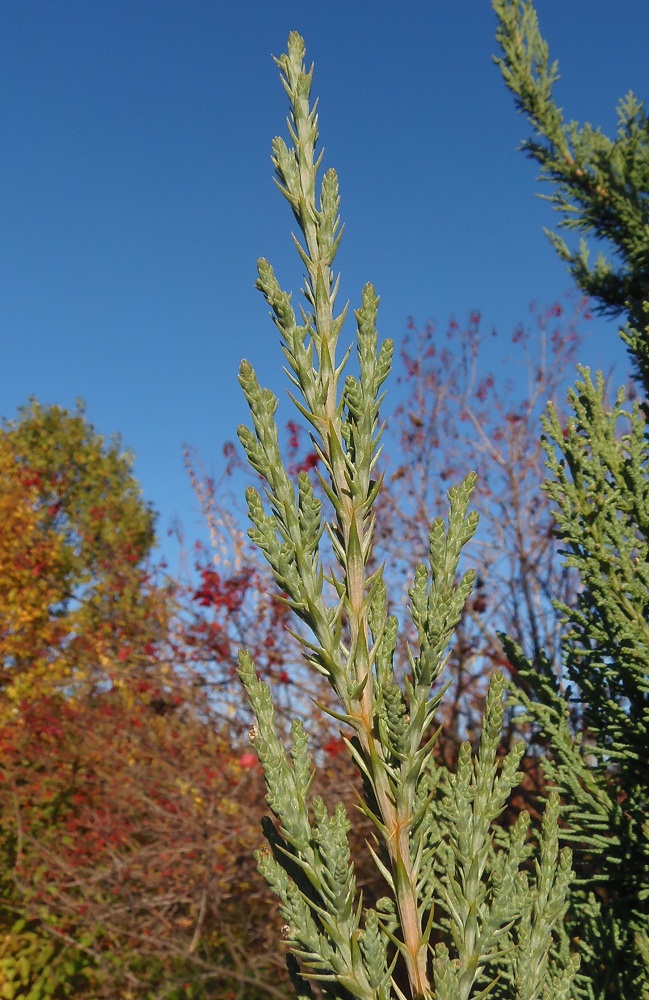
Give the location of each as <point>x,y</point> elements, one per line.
<point>75,596</point>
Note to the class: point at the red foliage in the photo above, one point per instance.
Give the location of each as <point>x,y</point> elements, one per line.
<point>308,463</point>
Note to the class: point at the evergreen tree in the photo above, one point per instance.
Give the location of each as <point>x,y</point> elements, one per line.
<point>597,713</point>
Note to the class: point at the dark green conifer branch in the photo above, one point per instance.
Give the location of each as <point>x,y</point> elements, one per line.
<point>600,487</point>
<point>600,185</point>
<point>596,717</point>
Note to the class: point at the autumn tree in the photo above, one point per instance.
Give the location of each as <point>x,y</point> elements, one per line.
<point>74,590</point>
<point>126,835</point>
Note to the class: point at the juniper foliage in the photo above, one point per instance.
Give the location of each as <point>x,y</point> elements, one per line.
<point>599,184</point>
<point>597,714</point>
<point>465,912</point>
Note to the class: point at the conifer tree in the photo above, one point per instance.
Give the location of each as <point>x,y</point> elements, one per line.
<point>597,713</point>
<point>465,912</point>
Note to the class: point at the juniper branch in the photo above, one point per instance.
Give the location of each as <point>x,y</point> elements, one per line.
<point>351,639</point>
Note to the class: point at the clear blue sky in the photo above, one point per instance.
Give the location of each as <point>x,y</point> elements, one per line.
<point>136,192</point>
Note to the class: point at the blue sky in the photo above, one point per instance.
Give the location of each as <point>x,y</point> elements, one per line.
<point>136,192</point>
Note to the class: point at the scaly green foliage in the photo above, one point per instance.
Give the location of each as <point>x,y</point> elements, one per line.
<point>599,465</point>
<point>600,184</point>
<point>435,842</point>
